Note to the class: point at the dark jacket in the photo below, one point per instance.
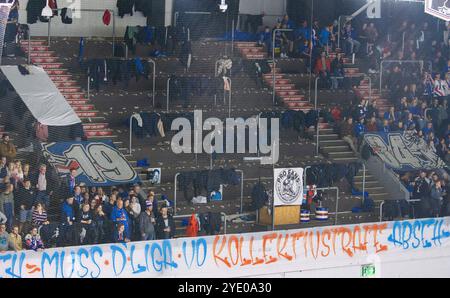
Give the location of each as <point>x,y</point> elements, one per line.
<point>125,7</point>
<point>160,226</point>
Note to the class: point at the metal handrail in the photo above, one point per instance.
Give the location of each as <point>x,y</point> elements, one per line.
<point>168,95</point>
<point>134,116</point>
<point>154,79</point>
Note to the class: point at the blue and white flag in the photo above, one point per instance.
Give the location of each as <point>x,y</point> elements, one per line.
<point>97,163</point>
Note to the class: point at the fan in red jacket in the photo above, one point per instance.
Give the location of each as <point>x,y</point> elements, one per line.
<point>192,228</point>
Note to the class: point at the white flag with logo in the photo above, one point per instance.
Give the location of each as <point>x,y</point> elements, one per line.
<point>288,186</point>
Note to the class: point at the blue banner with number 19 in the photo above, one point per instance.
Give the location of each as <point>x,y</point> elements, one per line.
<point>97,163</point>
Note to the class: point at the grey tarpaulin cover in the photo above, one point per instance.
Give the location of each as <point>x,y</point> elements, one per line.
<point>41,96</point>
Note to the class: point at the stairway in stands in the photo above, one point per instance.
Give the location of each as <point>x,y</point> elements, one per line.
<point>94,124</point>
<point>286,91</point>
<point>42,56</point>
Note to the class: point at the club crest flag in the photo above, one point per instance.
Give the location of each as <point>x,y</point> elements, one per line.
<point>288,186</point>
<point>438,8</point>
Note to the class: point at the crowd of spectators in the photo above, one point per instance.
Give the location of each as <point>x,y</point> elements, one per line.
<point>88,215</point>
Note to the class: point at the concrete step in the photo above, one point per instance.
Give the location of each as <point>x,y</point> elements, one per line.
<point>99,133</point>
<point>37,48</point>
<point>337,142</point>
<point>89,114</point>
<point>334,148</point>
<point>255,56</point>
<point>95,126</point>
<point>62,84</point>
<point>77,101</point>
<point>344,159</point>
<point>61,78</point>
<point>59,71</point>
<point>84,108</point>
<point>283,93</point>
<point>342,154</point>
<point>327,137</point>
<point>72,89</point>
<point>40,60</point>
<point>53,65</point>
<point>74,95</point>
<point>34,42</point>
<point>42,54</point>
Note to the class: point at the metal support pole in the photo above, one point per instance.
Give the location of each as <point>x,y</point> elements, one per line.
<point>168,94</point>
<point>175,194</point>
<point>364,182</point>
<point>381,211</point>
<point>89,88</point>
<point>337,204</point>
<point>131,133</point>
<point>29,46</point>
<point>242,189</point>
<point>233,25</point>
<point>370,87</point>
<point>49,29</point>
<point>225,219</point>
<point>305,175</point>
<point>315,93</point>
<point>317,135</point>
<point>311,48</point>
<point>229,97</point>
<point>273,60</point>
<point>113,29</point>
<point>403,43</point>
<point>154,79</point>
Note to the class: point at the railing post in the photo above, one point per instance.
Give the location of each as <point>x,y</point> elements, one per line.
<point>48,29</point>
<point>242,189</point>
<point>89,88</point>
<point>113,29</point>
<point>131,133</point>
<point>337,206</point>
<point>233,25</point>
<point>229,98</point>
<point>175,194</point>
<point>168,94</point>
<point>305,175</point>
<point>364,182</point>
<point>381,211</point>
<point>29,45</point>
<point>154,80</point>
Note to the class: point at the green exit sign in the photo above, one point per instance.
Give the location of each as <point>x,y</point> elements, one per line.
<point>368,270</point>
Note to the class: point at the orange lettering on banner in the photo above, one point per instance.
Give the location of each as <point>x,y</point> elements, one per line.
<point>311,243</point>
<point>328,234</point>
<point>244,261</point>
<point>269,237</point>
<point>230,249</point>
<point>216,254</point>
<point>280,251</point>
<point>357,245</point>
<point>295,237</point>
<point>346,246</point>
<point>257,261</point>
<point>378,246</point>
<point>335,231</point>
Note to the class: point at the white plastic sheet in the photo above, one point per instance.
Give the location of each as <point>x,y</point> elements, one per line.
<point>41,96</point>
